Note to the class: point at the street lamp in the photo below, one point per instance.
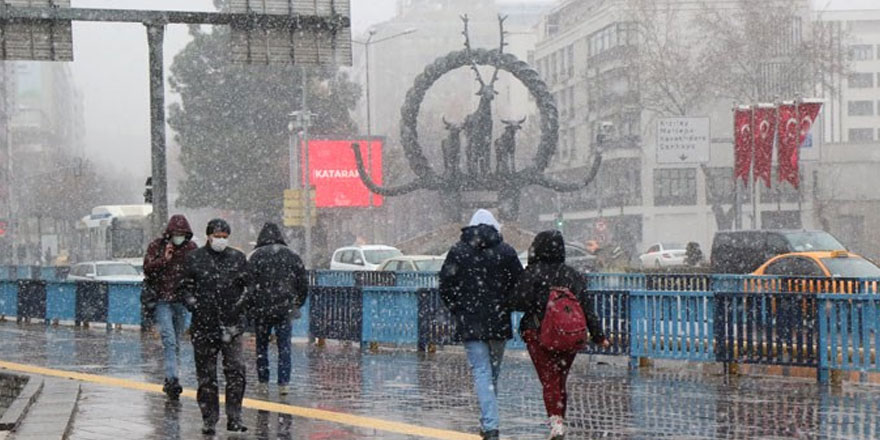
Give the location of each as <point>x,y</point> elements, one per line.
<point>367,45</point>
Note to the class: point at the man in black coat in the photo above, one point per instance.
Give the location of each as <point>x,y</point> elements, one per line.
<point>477,277</point>
<point>279,287</point>
<point>213,287</point>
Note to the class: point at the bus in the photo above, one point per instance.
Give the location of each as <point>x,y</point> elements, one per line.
<point>113,232</point>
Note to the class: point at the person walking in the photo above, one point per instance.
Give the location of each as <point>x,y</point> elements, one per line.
<point>549,287</point>
<point>214,284</point>
<point>476,279</point>
<point>279,287</point>
<point>163,270</point>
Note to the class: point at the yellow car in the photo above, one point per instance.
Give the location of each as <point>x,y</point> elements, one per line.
<point>807,269</point>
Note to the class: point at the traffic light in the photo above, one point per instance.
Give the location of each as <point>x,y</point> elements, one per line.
<point>148,191</point>
<point>560,222</point>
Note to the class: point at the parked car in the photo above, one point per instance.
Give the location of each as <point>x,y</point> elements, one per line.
<point>413,263</point>
<point>820,264</point>
<point>743,252</point>
<point>366,257</point>
<point>664,254</point>
<point>104,271</point>
<point>575,256</point>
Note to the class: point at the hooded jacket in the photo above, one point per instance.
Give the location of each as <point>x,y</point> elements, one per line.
<point>547,269</point>
<point>279,282</point>
<point>478,275</point>
<point>161,276</point>
<point>213,288</point>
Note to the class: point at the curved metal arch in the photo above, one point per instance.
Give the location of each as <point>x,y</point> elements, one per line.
<point>547,182</point>
<point>549,118</point>
<point>381,190</point>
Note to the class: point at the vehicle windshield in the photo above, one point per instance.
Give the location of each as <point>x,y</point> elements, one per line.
<point>813,241</point>
<point>379,255</point>
<point>852,267</point>
<point>429,265</point>
<point>109,270</point>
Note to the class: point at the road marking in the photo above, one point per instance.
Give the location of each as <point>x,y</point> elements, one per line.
<point>309,413</point>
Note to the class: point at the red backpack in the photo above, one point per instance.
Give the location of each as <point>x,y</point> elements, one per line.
<point>564,327</point>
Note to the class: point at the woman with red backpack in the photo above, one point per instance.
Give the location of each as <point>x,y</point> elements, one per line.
<point>557,318</point>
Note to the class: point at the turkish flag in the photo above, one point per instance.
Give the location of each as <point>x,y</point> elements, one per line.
<point>742,149</point>
<point>763,129</point>
<point>789,140</point>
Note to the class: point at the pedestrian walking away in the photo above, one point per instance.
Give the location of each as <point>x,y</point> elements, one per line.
<point>163,271</point>
<point>476,279</point>
<point>214,284</point>
<point>279,287</point>
<point>549,292</point>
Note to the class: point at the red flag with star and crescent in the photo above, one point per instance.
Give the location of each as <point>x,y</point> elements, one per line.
<point>789,140</point>
<point>789,170</point>
<point>742,150</point>
<point>763,129</point>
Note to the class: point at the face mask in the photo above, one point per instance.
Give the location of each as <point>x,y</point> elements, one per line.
<point>178,240</point>
<point>219,244</point>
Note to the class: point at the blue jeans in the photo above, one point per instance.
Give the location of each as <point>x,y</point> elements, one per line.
<point>485,359</point>
<point>263,328</point>
<point>172,322</point>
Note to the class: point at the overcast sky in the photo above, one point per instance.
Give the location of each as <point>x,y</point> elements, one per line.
<point>111,73</point>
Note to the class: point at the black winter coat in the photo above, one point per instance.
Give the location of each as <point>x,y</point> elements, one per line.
<point>477,277</point>
<point>213,288</point>
<point>547,269</point>
<point>279,282</point>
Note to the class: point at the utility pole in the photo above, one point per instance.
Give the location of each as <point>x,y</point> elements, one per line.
<point>155,37</point>
<point>307,120</point>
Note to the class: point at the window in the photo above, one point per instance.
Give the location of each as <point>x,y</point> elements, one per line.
<point>347,257</point>
<point>652,249</point>
<point>861,134</point>
<point>794,266</point>
<point>675,186</point>
<point>570,51</point>
<point>861,52</point>
<point>861,80</point>
<point>860,108</point>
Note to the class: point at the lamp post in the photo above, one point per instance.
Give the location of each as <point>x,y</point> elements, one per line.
<point>367,43</point>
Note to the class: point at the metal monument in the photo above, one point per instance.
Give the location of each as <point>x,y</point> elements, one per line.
<point>478,175</point>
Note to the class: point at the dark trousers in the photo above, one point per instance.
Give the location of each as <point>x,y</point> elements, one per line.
<point>206,369</point>
<point>552,368</point>
<point>282,327</point>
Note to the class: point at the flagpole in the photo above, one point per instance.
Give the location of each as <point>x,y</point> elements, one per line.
<point>752,169</point>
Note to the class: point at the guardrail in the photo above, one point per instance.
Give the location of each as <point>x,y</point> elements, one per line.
<point>827,324</point>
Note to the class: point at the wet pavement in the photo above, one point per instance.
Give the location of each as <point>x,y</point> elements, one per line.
<point>434,390</point>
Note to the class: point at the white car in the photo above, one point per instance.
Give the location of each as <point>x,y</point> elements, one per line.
<point>366,257</point>
<point>104,271</point>
<point>413,263</point>
<point>664,255</point>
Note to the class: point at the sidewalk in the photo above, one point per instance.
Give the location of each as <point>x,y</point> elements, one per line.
<point>435,391</point>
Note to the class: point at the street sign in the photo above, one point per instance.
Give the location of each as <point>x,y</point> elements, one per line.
<point>48,39</point>
<point>294,208</point>
<point>262,43</point>
<point>682,140</point>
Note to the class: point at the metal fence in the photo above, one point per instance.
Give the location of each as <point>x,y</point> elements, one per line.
<point>827,324</point>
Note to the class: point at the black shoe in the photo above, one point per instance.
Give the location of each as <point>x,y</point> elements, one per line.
<point>172,388</point>
<point>490,435</point>
<point>235,426</point>
<point>208,429</point>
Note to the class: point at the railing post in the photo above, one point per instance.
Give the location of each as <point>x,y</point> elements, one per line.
<point>823,372</point>
<point>635,315</point>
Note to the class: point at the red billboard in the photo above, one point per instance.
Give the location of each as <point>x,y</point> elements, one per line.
<point>334,174</point>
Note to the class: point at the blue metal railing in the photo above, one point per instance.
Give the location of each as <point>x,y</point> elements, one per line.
<point>827,324</point>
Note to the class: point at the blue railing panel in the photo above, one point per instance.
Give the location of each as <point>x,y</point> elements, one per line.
<point>672,325</point>
<point>60,301</point>
<point>8,298</point>
<point>390,315</point>
<point>616,281</point>
<point>124,303</point>
<point>849,332</point>
<point>423,280</point>
<point>300,327</point>
<point>334,278</point>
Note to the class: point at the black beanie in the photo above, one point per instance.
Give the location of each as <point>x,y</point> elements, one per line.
<point>217,225</point>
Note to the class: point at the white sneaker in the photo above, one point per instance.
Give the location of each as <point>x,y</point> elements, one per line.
<point>283,390</point>
<point>557,428</point>
<point>262,389</point>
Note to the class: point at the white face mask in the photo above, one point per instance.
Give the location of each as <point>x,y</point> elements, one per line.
<point>219,244</point>
<point>178,240</point>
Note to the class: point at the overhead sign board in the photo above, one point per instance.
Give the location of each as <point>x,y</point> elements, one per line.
<point>334,173</point>
<point>682,140</point>
<point>36,40</point>
<point>304,43</point>
<point>294,207</point>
